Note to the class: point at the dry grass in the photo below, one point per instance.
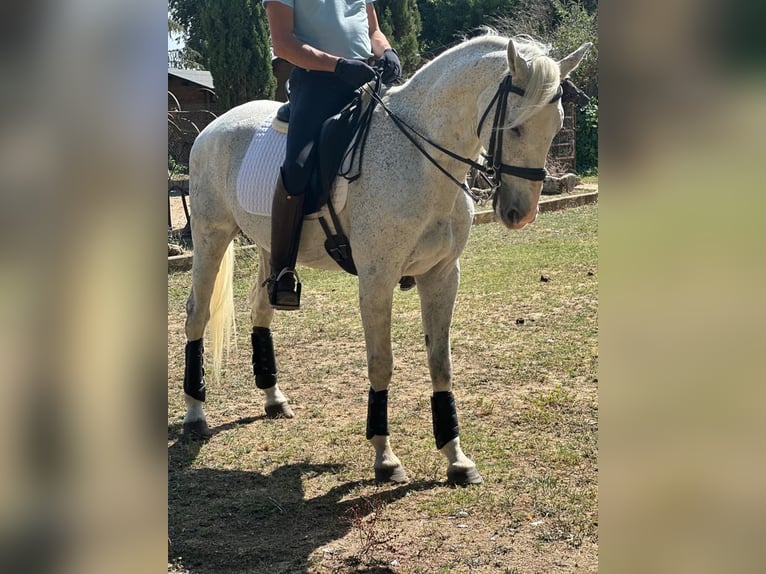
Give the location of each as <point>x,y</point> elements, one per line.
<point>296,495</point>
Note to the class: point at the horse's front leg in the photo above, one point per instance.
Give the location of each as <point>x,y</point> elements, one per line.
<point>438,290</point>
<point>375,301</point>
<point>264,359</point>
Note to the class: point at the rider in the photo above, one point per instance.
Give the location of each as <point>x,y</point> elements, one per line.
<point>329,43</point>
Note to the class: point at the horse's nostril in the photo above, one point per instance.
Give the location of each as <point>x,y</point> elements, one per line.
<point>513,216</point>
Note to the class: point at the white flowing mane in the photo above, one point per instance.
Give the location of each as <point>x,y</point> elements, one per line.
<point>542,84</point>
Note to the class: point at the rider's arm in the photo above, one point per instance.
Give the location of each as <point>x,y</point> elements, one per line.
<point>288,47</point>
<point>377,37</point>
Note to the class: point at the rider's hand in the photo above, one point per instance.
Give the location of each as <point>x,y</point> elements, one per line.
<point>392,67</point>
<point>354,72</point>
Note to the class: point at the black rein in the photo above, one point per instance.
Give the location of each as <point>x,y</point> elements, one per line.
<point>494,165</point>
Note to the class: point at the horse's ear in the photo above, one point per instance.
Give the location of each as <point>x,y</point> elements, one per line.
<point>516,64</point>
<point>573,60</point>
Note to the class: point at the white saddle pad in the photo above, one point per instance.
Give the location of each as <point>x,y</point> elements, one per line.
<point>260,168</point>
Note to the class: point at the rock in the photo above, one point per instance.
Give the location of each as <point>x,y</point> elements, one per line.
<point>553,185</point>
<point>174,249</point>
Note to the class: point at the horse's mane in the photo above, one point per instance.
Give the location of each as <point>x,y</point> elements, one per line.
<point>544,78</point>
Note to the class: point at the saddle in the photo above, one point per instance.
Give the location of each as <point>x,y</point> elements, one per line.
<point>332,154</point>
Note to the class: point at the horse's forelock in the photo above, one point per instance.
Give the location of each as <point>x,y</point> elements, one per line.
<point>543,81</point>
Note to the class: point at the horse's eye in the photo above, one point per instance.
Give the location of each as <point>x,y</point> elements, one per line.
<point>516,132</point>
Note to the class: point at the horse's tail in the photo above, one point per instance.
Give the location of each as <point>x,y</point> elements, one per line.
<point>221,326</point>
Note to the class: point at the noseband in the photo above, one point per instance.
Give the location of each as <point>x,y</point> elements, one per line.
<point>494,167</point>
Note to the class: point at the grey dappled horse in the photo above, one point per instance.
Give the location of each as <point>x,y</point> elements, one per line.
<point>404,216</point>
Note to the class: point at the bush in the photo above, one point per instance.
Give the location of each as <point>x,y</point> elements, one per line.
<point>586,132</point>
<point>175,168</point>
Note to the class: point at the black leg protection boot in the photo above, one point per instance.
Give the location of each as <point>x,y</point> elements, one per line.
<point>194,372</point>
<point>286,223</point>
<point>264,360</point>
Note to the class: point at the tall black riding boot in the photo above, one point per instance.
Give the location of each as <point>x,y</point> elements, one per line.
<point>286,222</point>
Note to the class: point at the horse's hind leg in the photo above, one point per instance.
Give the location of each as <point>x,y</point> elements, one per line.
<point>375,304</point>
<point>438,290</point>
<point>264,359</point>
<point>210,244</point>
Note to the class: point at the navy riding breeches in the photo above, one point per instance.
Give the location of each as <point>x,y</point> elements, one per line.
<point>314,97</point>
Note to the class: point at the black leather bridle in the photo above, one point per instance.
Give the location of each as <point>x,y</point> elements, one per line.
<point>494,155</point>
<point>494,167</point>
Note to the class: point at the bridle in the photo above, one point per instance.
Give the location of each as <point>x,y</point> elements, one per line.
<point>494,155</point>
<point>494,166</point>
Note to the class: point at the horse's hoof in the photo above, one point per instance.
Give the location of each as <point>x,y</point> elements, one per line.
<point>279,411</point>
<point>394,474</point>
<point>462,476</point>
<point>197,430</point>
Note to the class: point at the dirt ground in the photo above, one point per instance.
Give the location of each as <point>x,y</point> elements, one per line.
<point>177,215</point>
<point>296,496</point>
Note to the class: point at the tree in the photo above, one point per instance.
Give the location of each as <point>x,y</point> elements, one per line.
<point>446,21</point>
<point>174,28</point>
<point>238,50</point>
<point>573,26</point>
<point>233,38</point>
<point>187,14</point>
<point>565,24</point>
<point>184,57</point>
<point>400,22</point>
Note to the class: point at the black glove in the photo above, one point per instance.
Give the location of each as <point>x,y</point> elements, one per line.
<point>392,67</point>
<point>354,72</point>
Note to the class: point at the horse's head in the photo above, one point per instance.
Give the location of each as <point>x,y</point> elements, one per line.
<point>518,122</point>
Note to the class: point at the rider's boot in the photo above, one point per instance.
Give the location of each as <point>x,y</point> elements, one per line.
<point>286,222</point>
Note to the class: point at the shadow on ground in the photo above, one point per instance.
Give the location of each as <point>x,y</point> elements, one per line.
<point>222,521</point>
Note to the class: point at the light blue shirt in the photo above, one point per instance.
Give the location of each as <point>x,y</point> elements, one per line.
<point>338,27</point>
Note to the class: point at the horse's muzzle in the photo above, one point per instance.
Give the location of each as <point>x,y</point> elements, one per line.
<point>514,214</point>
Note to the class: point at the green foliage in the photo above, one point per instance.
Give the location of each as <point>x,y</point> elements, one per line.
<point>565,24</point>
<point>175,168</point>
<point>186,57</point>
<point>187,14</point>
<point>573,26</point>
<point>238,50</point>
<point>174,28</point>
<point>587,139</point>
<point>445,21</point>
<point>232,38</point>
<point>400,22</point>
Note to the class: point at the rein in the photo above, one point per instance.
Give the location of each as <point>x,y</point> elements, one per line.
<point>494,167</point>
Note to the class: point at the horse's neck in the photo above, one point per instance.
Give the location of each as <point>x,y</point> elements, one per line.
<point>441,100</point>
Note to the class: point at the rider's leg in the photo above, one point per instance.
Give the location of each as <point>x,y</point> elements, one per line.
<point>286,223</point>
<point>314,96</point>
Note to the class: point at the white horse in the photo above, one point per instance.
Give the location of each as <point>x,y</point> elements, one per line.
<point>403,217</point>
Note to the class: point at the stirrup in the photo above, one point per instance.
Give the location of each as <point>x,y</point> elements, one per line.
<point>284,300</point>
